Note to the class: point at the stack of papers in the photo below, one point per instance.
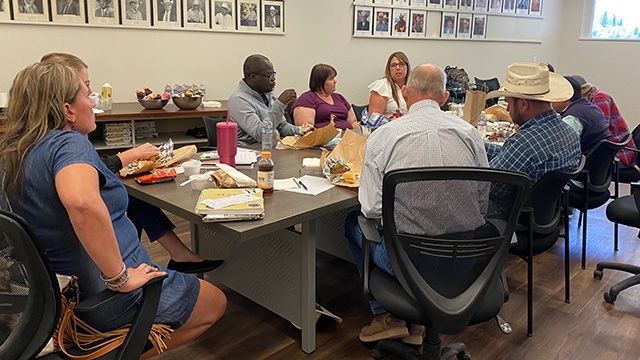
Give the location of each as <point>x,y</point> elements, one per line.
<point>230,204</point>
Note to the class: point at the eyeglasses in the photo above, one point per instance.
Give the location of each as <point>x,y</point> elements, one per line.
<point>397,65</point>
<point>270,75</point>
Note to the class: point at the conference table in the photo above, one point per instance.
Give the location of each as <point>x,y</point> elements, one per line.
<point>268,260</point>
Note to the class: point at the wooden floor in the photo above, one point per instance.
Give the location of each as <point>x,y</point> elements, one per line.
<point>587,328</point>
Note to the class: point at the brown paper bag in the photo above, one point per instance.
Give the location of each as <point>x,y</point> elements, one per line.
<point>311,139</point>
<point>474,103</point>
<point>351,150</point>
<point>179,155</point>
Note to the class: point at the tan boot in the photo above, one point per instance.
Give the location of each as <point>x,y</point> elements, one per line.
<point>416,334</point>
<point>384,326</point>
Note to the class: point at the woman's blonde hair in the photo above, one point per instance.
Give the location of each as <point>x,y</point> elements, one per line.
<point>387,73</point>
<point>65,59</point>
<point>36,106</point>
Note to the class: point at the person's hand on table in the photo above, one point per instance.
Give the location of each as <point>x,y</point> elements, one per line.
<point>305,128</point>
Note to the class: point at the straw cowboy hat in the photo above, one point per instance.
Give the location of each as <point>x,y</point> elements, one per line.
<point>533,82</point>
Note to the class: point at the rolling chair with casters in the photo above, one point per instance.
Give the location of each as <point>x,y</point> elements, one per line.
<point>540,227</point>
<point>443,281</point>
<point>596,178</point>
<point>623,210</point>
<point>210,126</point>
<point>488,85</point>
<point>34,300</point>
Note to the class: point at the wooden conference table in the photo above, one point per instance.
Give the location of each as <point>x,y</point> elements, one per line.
<point>266,260</point>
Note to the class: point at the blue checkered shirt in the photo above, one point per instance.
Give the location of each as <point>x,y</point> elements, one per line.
<point>544,143</point>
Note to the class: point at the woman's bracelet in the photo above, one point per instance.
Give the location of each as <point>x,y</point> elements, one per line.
<point>117,281</point>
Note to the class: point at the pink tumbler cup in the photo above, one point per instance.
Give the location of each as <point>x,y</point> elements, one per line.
<point>227,136</point>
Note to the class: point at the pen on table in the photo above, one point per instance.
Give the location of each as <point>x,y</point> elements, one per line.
<point>303,185</point>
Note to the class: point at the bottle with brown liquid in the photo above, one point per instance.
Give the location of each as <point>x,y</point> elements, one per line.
<point>265,173</point>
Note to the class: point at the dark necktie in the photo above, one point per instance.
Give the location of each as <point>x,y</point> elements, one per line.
<point>264,98</point>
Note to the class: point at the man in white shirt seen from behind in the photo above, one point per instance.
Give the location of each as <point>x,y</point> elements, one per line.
<point>425,136</point>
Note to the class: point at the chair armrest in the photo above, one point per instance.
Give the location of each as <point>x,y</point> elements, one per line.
<point>99,299</point>
<point>369,229</point>
<point>632,149</point>
<point>369,234</point>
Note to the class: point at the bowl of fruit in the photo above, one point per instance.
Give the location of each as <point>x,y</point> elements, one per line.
<point>150,100</point>
<point>190,100</point>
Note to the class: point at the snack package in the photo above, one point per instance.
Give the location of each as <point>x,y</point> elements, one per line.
<point>157,177</point>
<point>343,165</point>
<point>311,139</point>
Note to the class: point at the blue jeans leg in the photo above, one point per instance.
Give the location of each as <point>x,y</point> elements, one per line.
<point>379,255</point>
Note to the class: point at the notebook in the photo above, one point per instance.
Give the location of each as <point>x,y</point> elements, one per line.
<point>230,204</point>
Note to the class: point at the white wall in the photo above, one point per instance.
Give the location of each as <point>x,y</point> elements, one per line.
<point>316,31</point>
<point>610,65</point>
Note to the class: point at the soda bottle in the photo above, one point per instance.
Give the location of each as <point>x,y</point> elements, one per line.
<point>265,173</point>
<point>267,134</point>
<point>482,123</point>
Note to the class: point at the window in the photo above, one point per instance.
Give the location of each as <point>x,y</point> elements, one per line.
<point>615,19</point>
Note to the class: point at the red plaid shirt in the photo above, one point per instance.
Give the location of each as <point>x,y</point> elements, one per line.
<point>617,126</point>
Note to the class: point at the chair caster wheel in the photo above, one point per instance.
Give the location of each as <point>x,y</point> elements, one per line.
<point>609,298</point>
<point>463,356</point>
<point>597,274</point>
<point>377,354</point>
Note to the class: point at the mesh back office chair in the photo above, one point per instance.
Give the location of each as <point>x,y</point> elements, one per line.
<point>488,85</point>
<point>210,126</point>
<point>540,227</point>
<point>30,299</point>
<point>447,241</point>
<point>622,210</point>
<point>596,177</point>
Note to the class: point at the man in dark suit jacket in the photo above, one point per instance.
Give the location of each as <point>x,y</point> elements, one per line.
<point>68,7</point>
<point>29,7</point>
<point>363,20</point>
<point>166,11</point>
<point>105,10</point>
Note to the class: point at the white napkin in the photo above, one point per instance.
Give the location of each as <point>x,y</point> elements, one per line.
<point>211,104</point>
<point>241,179</point>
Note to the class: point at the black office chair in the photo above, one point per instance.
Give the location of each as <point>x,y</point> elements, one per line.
<point>30,307</point>
<point>623,210</point>
<point>288,114</point>
<point>447,241</point>
<point>630,174</point>
<point>488,85</point>
<point>540,227</point>
<point>210,126</point>
<point>357,109</point>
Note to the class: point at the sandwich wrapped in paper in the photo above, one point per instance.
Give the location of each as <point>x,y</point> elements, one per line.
<point>228,177</point>
<point>311,139</point>
<point>167,157</point>
<point>499,111</point>
<point>343,165</point>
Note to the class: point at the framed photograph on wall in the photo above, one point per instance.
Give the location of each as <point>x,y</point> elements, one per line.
<point>464,26</point>
<point>5,14</point>
<point>136,12</point>
<point>495,6</point>
<point>479,26</point>
<point>384,2</point>
<point>362,20</point>
<point>401,2</point>
<point>103,12</point>
<point>195,14</point>
<point>435,4</point>
<point>448,28</point>
<point>522,7</point>
<point>400,22</point>
<point>30,10</point>
<point>224,14</point>
<point>466,5</point>
<point>67,11</point>
<point>381,24</point>
<point>419,3</point>
<point>272,19</point>
<point>167,13</point>
<point>450,4</point>
<point>509,6</point>
<point>418,22</point>
<point>536,7</point>
<point>249,15</point>
<point>480,5</point>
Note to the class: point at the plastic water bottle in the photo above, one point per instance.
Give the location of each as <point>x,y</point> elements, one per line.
<point>482,124</point>
<point>267,134</point>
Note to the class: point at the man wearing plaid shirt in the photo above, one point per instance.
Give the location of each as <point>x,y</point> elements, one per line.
<point>543,142</point>
<point>617,126</point>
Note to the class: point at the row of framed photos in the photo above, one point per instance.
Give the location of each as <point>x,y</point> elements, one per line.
<point>412,23</point>
<point>245,15</point>
<point>521,7</point>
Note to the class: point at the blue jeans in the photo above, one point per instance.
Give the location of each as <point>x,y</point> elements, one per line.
<point>379,255</point>
<point>148,217</point>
